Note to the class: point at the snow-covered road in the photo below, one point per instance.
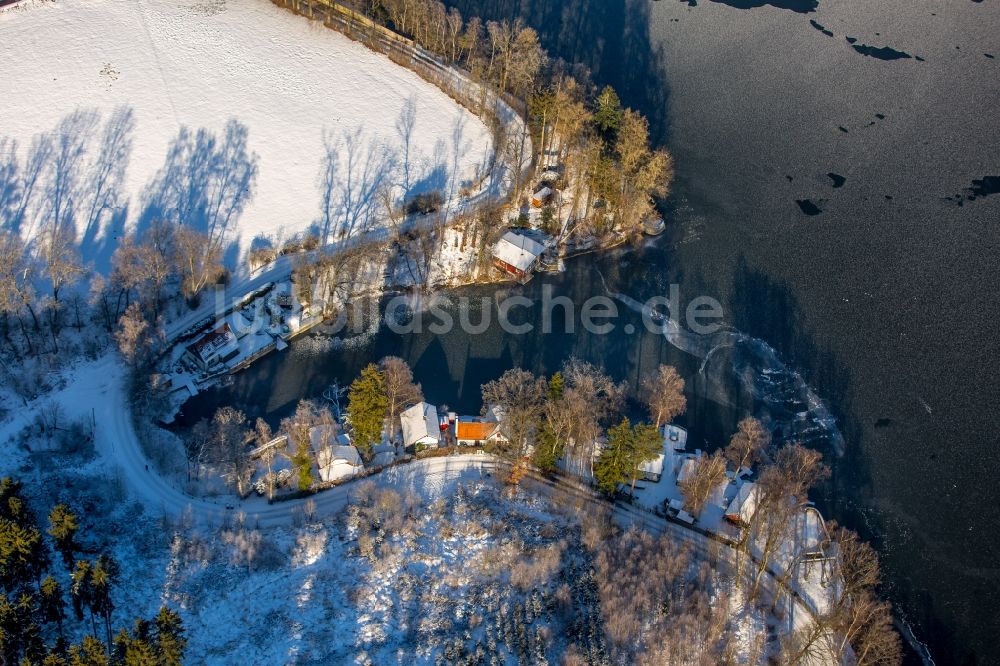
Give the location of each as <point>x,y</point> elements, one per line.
<point>116,440</point>
<point>97,389</point>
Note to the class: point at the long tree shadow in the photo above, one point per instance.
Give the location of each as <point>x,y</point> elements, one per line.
<point>354,170</point>
<point>70,184</point>
<point>10,185</point>
<point>610,38</point>
<point>107,211</point>
<point>206,182</point>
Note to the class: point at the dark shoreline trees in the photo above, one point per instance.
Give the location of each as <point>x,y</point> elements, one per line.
<point>601,147</point>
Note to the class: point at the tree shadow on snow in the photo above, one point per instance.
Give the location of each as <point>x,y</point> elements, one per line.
<point>353,173</point>
<point>71,181</point>
<point>206,182</point>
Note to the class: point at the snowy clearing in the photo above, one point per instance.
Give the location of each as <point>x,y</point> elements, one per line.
<point>133,106</point>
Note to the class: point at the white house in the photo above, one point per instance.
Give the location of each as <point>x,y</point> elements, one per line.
<point>339,462</point>
<point>335,457</point>
<point>744,505</point>
<point>420,426</point>
<point>517,254</point>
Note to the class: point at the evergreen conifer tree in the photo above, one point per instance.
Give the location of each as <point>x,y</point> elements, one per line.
<point>608,117</point>
<point>611,467</point>
<point>302,461</point>
<point>51,603</point>
<point>367,405</point>
<point>170,640</point>
<point>63,528</point>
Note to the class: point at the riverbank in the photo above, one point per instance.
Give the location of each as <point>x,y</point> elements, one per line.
<point>870,300</point>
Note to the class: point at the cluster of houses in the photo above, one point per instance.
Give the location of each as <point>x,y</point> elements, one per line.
<point>731,507</point>
<point>337,459</point>
<point>262,322</point>
<point>728,513</point>
<point>424,427</point>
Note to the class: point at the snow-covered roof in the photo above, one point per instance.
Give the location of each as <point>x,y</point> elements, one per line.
<point>742,508</point>
<point>420,424</point>
<point>345,454</point>
<point>654,466</point>
<point>336,462</point>
<point>676,436</point>
<point>210,345</point>
<point>686,470</point>
<point>281,440</point>
<point>518,250</point>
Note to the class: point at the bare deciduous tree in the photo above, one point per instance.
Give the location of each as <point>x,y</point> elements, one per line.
<point>709,472</point>
<point>644,173</point>
<point>228,447</point>
<point>593,400</point>
<point>200,261</point>
<point>748,444</point>
<point>131,335</point>
<point>269,449</point>
<point>400,389</point>
<point>663,393</point>
<point>520,395</point>
<point>16,292</point>
<point>855,625</point>
<point>783,486</point>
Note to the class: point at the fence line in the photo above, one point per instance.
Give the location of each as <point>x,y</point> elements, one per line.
<point>453,80</point>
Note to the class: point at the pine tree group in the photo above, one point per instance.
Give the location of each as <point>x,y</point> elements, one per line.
<point>33,602</point>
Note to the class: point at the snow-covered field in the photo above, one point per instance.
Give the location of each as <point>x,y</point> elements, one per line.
<point>280,124</point>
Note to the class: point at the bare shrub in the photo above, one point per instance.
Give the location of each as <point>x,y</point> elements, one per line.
<point>244,546</point>
<point>596,527</point>
<point>530,572</point>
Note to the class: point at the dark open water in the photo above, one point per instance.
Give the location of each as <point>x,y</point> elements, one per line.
<point>873,290</point>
